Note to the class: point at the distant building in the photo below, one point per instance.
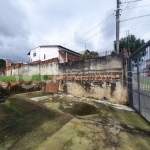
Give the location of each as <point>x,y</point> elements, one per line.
<point>47,52</point>
<point>10,62</point>
<point>84,52</point>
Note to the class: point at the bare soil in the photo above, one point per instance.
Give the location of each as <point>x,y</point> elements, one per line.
<point>43,121</point>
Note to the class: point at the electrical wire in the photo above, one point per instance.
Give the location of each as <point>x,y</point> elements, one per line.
<point>98,24</point>
<point>131,1</point>
<point>127,4</point>
<point>106,27</point>
<point>136,28</point>
<point>137,7</point>
<point>93,34</point>
<point>92,30</point>
<point>135,18</point>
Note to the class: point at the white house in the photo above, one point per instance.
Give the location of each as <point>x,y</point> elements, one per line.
<point>47,52</point>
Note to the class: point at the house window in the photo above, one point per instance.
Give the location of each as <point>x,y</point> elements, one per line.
<point>34,54</point>
<point>44,56</point>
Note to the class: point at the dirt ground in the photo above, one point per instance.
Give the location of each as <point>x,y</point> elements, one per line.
<point>44,121</point>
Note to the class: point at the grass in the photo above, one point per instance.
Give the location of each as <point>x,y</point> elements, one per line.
<point>145,82</point>
<point>24,78</point>
<point>25,125</point>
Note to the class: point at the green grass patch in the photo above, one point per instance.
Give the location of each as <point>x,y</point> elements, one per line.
<point>25,125</point>
<point>24,78</point>
<point>145,82</point>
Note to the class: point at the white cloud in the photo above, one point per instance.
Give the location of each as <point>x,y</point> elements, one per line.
<point>29,23</point>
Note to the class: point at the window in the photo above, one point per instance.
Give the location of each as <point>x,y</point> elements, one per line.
<point>44,56</point>
<point>34,54</point>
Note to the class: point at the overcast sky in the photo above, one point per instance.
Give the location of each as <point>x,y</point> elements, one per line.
<point>26,24</point>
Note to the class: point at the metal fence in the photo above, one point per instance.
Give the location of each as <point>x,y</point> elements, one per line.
<point>139,80</point>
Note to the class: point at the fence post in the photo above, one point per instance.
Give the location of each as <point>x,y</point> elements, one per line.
<point>130,81</point>
<point>138,78</point>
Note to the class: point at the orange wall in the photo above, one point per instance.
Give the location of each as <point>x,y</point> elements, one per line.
<point>62,57</point>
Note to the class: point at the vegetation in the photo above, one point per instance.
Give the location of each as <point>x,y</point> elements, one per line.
<point>145,82</point>
<point>24,78</point>
<point>2,63</point>
<point>24,125</point>
<point>89,54</point>
<point>134,43</point>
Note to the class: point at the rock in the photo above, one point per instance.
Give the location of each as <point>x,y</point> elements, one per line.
<point>70,104</point>
<point>4,85</point>
<point>115,129</point>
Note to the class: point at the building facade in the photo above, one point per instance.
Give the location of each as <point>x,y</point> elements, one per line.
<point>46,52</point>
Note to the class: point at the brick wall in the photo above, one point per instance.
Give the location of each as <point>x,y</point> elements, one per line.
<point>52,87</point>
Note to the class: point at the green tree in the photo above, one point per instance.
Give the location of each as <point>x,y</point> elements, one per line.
<point>134,43</point>
<point>2,63</point>
<point>89,54</point>
<point>94,54</point>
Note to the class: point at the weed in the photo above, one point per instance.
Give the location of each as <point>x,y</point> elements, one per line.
<point>81,133</point>
<point>10,106</point>
<point>67,144</point>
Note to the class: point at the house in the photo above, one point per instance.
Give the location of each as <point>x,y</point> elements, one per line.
<point>10,62</point>
<point>47,52</point>
<point>84,52</point>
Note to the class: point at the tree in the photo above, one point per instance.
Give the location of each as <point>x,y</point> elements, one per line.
<point>2,63</point>
<point>94,54</point>
<point>89,54</point>
<point>134,43</point>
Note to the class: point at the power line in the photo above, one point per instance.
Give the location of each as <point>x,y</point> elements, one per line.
<point>137,27</point>
<point>136,7</point>
<point>110,25</point>
<point>130,1</point>
<point>96,33</point>
<point>127,4</point>
<point>98,25</point>
<point>92,30</point>
<point>135,18</point>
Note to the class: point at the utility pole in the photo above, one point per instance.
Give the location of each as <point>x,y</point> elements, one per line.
<point>128,48</point>
<point>117,26</point>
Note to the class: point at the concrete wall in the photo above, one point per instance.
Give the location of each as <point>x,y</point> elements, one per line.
<point>112,91</point>
<point>113,62</point>
<point>49,67</point>
<point>102,77</point>
<point>2,71</point>
<point>98,77</point>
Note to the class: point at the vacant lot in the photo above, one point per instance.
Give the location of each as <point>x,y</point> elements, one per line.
<point>63,122</point>
<point>25,125</point>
